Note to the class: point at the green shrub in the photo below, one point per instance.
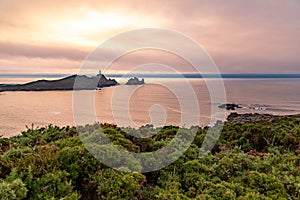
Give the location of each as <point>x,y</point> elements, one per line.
<point>113,184</point>
<point>254,160</point>
<point>12,187</point>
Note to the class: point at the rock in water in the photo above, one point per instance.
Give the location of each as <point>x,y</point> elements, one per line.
<point>230,106</point>
<point>135,81</point>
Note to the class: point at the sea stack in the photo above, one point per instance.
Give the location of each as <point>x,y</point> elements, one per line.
<point>135,81</point>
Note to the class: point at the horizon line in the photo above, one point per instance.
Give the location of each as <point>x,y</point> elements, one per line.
<point>162,75</point>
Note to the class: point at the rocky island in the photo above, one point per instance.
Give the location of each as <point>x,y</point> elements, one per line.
<point>135,81</point>
<point>83,82</point>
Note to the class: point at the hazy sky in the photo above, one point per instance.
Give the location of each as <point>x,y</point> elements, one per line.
<point>242,36</point>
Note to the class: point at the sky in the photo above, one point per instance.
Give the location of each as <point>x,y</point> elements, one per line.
<point>54,37</point>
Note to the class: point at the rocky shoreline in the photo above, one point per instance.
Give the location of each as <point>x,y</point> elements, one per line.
<point>256,117</point>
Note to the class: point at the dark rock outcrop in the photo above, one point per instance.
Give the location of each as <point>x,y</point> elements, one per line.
<point>230,106</point>
<point>135,81</point>
<point>82,83</point>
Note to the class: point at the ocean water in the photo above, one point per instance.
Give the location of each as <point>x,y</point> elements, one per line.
<point>160,102</point>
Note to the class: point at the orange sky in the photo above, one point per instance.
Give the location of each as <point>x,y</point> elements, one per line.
<point>53,36</point>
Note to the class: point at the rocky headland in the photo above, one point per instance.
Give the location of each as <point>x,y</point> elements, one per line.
<point>82,83</point>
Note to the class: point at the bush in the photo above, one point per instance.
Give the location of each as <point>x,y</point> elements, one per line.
<point>250,161</point>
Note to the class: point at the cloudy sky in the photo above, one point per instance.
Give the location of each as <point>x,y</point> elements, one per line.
<point>241,36</point>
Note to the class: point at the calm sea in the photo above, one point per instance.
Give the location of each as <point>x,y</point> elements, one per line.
<point>150,103</point>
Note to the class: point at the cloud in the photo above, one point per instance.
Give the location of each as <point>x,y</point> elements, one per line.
<point>42,51</point>
<point>241,36</point>
<point>24,65</point>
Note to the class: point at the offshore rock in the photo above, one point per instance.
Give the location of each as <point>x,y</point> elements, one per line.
<point>135,81</point>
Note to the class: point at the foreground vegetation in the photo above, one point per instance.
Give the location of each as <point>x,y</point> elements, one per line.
<point>250,161</point>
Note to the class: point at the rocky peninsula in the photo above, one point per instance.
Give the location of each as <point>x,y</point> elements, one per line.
<point>83,82</point>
